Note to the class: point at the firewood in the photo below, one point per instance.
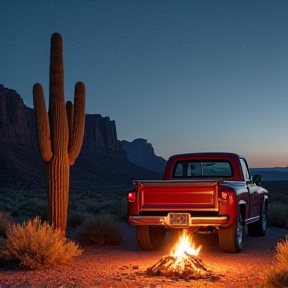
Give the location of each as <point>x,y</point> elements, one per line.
<point>189,267</point>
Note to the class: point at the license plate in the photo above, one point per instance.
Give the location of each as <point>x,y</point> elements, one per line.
<point>177,219</point>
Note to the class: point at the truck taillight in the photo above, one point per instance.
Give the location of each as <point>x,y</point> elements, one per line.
<point>224,195</point>
<point>131,196</point>
<point>225,192</point>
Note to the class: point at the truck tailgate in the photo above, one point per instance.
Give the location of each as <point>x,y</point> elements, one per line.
<point>178,195</point>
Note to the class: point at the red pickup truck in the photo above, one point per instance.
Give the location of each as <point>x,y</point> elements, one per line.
<point>200,192</point>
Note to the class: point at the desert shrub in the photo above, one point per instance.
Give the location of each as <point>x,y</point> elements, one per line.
<point>97,208</point>
<point>99,230</point>
<point>76,218</point>
<point>37,245</point>
<point>3,251</point>
<point>119,208</point>
<point>116,205</point>
<point>278,215</point>
<point>4,201</point>
<point>278,274</point>
<point>31,208</point>
<point>278,197</point>
<point>4,222</point>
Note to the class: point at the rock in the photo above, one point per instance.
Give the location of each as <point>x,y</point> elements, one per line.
<point>141,153</point>
<point>102,159</point>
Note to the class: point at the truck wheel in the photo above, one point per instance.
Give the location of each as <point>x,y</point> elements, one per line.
<point>231,238</point>
<point>259,227</point>
<point>149,238</point>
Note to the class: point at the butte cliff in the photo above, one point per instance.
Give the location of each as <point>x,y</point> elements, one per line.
<point>141,153</point>
<point>102,161</point>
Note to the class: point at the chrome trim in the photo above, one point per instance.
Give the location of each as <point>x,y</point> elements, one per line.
<point>241,202</point>
<point>163,221</point>
<point>146,220</point>
<point>183,181</point>
<point>252,219</point>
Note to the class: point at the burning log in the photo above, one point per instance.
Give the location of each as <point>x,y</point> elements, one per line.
<point>183,262</point>
<point>190,267</point>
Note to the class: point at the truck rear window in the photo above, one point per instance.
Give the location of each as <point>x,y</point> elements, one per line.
<point>204,168</point>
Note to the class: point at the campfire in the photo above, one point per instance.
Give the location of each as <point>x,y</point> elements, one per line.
<point>183,261</point>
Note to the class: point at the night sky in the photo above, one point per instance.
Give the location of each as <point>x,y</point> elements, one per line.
<point>188,76</point>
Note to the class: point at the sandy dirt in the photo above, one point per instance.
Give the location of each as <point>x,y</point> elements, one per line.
<point>125,265</point>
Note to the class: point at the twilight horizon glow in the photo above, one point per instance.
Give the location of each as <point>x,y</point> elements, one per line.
<point>188,76</point>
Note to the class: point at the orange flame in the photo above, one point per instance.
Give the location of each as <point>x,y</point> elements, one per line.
<point>182,251</point>
<point>184,247</point>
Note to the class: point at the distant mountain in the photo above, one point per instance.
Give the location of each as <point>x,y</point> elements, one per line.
<point>272,174</point>
<point>141,153</point>
<point>102,161</point>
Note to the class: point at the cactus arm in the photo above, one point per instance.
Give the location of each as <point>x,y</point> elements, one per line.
<point>78,122</point>
<point>42,122</point>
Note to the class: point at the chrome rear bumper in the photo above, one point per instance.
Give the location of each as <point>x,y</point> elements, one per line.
<point>163,221</point>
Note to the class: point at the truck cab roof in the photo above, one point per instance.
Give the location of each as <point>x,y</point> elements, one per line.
<point>234,173</point>
<point>206,154</point>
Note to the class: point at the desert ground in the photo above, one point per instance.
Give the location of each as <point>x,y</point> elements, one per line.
<point>125,265</point>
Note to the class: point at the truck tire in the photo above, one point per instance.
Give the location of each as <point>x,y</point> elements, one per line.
<point>150,238</point>
<point>231,238</point>
<point>259,227</point>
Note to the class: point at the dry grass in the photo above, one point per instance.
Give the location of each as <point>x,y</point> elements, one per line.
<point>278,274</point>
<point>37,245</point>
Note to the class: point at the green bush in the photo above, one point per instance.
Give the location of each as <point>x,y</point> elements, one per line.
<point>99,230</point>
<point>37,245</point>
<point>278,274</point>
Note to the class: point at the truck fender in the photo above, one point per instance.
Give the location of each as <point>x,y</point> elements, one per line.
<point>265,202</point>
<point>243,209</point>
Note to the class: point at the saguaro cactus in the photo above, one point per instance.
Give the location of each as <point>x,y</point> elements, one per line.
<point>60,133</point>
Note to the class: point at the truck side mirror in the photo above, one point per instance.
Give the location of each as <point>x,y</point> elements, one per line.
<point>257,179</point>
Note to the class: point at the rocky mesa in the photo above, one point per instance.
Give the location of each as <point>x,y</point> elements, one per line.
<point>102,159</point>
<point>141,153</point>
